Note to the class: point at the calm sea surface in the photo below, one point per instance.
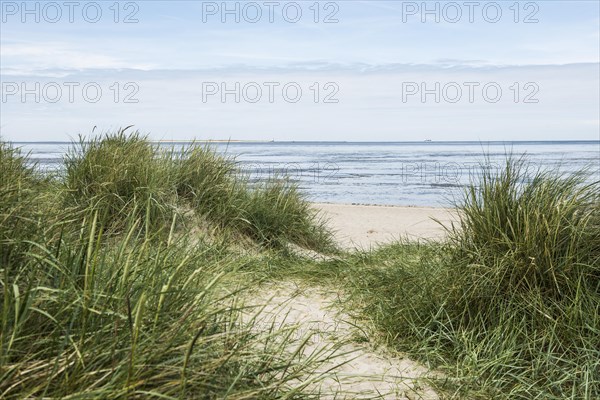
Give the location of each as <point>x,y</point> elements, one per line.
<point>398,173</point>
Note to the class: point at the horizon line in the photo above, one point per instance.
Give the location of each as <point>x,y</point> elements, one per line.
<point>262,141</point>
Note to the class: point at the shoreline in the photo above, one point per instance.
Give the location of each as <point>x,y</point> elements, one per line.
<point>411,206</point>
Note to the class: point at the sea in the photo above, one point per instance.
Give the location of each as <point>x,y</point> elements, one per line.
<point>387,173</point>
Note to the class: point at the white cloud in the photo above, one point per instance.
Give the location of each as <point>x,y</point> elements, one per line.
<point>371,105</point>
<point>41,55</point>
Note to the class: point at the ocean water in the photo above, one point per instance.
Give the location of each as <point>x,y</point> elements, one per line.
<point>391,173</point>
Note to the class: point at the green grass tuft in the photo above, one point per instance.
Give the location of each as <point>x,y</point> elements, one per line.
<point>528,230</point>
<point>125,178</point>
<point>509,306</point>
<point>122,177</point>
<point>106,293</point>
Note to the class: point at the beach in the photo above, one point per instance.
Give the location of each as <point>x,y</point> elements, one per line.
<point>366,226</point>
<point>324,200</point>
<point>176,269</point>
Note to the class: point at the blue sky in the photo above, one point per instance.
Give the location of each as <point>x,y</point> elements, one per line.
<point>373,53</point>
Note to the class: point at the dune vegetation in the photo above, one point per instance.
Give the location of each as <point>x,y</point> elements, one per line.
<point>508,307</point>
<point>121,274</point>
<point>106,295</point>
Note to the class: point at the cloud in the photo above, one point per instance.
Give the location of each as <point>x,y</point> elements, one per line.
<point>28,56</point>
<point>369,54</point>
<point>371,102</point>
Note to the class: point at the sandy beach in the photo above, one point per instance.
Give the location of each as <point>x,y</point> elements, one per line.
<point>365,226</point>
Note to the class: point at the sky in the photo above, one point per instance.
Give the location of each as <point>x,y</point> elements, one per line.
<point>304,70</point>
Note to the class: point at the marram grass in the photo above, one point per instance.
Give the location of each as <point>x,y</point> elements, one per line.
<point>124,176</point>
<point>136,320</point>
<point>508,307</point>
<point>106,294</point>
<point>121,177</point>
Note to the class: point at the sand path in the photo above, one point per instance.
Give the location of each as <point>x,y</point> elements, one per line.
<point>358,371</point>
